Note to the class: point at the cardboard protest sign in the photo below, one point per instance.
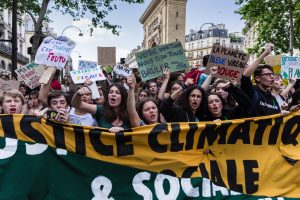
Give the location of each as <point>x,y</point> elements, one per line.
<point>290,67</point>
<point>8,85</point>
<point>94,74</point>
<point>54,52</point>
<point>231,62</point>
<point>30,74</point>
<point>84,64</point>
<point>46,75</point>
<point>152,61</point>
<point>121,70</point>
<point>273,60</point>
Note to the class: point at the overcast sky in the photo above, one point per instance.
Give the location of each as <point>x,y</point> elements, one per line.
<point>131,33</point>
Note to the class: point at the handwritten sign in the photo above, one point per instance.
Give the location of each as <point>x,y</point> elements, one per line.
<point>30,74</point>
<point>54,52</point>
<point>8,85</point>
<point>231,62</point>
<point>84,64</point>
<point>290,67</point>
<point>94,74</point>
<point>152,61</point>
<point>121,70</point>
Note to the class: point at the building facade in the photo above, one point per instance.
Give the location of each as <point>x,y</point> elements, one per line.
<point>29,32</point>
<point>131,60</point>
<point>249,42</point>
<point>164,22</point>
<point>6,47</point>
<point>200,43</point>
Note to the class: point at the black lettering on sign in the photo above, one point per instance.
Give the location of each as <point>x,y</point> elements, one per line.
<point>124,149</point>
<point>168,172</point>
<point>250,176</point>
<point>203,171</point>
<point>275,130</point>
<point>211,132</point>
<point>95,138</point>
<point>153,141</point>
<point>175,145</point>
<point>232,176</point>
<point>289,137</point>
<point>261,128</point>
<point>190,136</point>
<point>58,133</point>
<point>188,172</point>
<point>8,126</point>
<point>28,130</point>
<point>241,132</point>
<point>216,174</point>
<point>79,140</point>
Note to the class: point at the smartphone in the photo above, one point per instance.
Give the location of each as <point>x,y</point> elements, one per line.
<point>51,114</point>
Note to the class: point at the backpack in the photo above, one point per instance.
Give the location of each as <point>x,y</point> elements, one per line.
<point>194,74</point>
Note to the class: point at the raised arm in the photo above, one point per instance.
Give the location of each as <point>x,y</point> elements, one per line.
<point>288,88</point>
<point>162,90</point>
<point>132,113</point>
<point>44,90</point>
<point>86,107</point>
<point>213,71</point>
<point>251,68</point>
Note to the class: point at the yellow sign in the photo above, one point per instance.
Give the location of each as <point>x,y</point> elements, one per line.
<point>255,156</point>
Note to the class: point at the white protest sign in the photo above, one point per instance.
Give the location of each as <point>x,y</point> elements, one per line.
<point>290,67</point>
<point>95,91</point>
<point>84,64</point>
<point>30,74</point>
<point>121,70</point>
<point>54,52</point>
<point>8,85</point>
<point>94,74</point>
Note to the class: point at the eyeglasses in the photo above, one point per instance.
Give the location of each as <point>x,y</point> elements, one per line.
<point>267,74</point>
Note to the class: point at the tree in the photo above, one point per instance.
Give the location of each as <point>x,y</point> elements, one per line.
<point>271,21</point>
<point>39,10</point>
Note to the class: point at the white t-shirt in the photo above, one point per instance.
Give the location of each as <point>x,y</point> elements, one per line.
<point>85,120</point>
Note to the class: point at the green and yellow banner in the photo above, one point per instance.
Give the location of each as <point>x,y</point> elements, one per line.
<point>254,158</point>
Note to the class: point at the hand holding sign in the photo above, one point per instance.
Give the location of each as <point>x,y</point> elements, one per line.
<point>54,51</point>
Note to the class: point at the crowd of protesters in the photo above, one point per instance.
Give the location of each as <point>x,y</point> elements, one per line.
<point>175,97</point>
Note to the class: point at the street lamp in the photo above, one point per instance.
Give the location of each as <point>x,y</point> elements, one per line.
<point>213,25</point>
<point>80,33</point>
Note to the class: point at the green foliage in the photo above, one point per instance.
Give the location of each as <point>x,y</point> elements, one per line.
<point>96,10</point>
<point>78,9</point>
<point>271,18</point>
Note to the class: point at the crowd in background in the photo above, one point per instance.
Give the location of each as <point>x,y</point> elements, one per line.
<point>174,97</point>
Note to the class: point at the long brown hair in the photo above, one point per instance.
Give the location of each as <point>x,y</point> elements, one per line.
<point>109,114</point>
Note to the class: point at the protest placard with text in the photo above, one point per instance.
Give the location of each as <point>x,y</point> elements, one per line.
<point>121,70</point>
<point>30,74</point>
<point>54,52</point>
<point>290,67</point>
<point>8,85</point>
<point>231,62</point>
<point>94,74</point>
<point>84,64</point>
<point>152,61</point>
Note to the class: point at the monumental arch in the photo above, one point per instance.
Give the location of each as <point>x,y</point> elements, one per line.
<point>164,22</point>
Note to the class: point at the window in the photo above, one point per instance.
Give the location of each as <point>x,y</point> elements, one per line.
<point>218,41</point>
<point>176,26</point>
<point>21,47</point>
<point>192,45</point>
<point>223,42</point>
<point>9,67</point>
<point>2,65</point>
<point>177,14</point>
<point>176,39</point>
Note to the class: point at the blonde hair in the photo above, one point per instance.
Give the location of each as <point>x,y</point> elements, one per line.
<point>12,93</point>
